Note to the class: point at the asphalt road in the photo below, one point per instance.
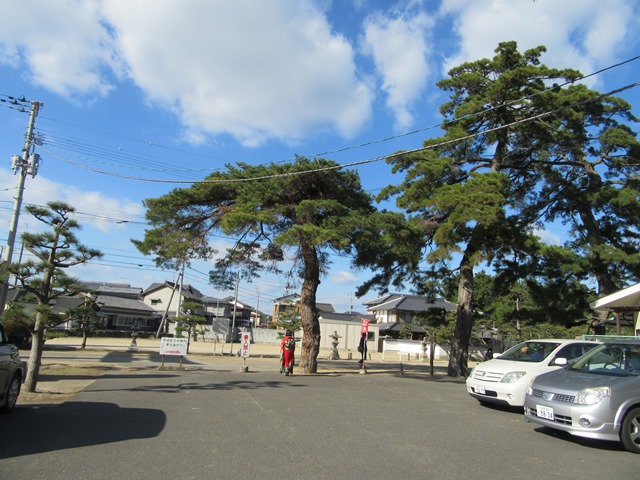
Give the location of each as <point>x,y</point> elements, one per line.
<point>214,422</point>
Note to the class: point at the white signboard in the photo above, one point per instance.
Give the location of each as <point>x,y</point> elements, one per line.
<point>173,346</point>
<point>245,343</point>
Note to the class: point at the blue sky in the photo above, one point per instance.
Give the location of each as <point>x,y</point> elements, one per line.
<point>143,96</point>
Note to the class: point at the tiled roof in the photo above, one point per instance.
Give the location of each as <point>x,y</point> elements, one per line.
<point>325,307</point>
<point>188,291</point>
<point>113,288</point>
<point>397,327</point>
<point>64,304</point>
<point>112,302</point>
<point>412,303</point>
<point>347,317</point>
<point>377,301</point>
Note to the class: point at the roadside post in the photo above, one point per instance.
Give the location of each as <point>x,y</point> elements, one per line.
<point>365,331</point>
<point>173,347</point>
<point>245,345</point>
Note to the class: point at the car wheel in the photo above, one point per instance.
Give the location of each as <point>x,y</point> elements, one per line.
<point>12,395</point>
<point>630,431</point>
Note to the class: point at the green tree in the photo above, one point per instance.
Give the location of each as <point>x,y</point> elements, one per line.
<point>85,316</point>
<point>469,183</point>
<point>189,320</point>
<point>309,206</point>
<point>590,178</point>
<point>44,278</point>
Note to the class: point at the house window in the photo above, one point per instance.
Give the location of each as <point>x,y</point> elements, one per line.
<point>217,311</point>
<point>156,301</point>
<point>123,321</point>
<point>132,322</point>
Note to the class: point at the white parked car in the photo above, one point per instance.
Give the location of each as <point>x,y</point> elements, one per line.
<point>504,379</point>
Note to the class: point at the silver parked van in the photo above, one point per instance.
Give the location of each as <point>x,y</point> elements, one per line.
<point>598,396</point>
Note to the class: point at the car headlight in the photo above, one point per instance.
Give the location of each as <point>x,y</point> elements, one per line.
<point>591,396</point>
<point>512,377</point>
<point>530,386</point>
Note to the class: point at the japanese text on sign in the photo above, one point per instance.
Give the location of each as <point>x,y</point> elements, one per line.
<point>246,342</point>
<point>365,326</point>
<point>173,346</point>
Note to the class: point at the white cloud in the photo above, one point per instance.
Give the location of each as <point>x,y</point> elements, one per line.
<point>254,70</point>
<point>342,278</point>
<point>583,34</point>
<point>93,209</point>
<point>62,44</point>
<point>548,237</point>
<point>398,46</point>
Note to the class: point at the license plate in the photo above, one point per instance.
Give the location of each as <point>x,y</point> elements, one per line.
<point>544,412</point>
<point>479,389</point>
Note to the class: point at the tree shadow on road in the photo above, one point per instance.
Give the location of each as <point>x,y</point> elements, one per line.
<point>217,386</point>
<point>31,430</point>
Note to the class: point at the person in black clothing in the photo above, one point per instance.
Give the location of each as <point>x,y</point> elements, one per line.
<point>362,348</point>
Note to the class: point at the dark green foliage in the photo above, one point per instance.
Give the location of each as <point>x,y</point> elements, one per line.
<point>310,207</point>
<point>44,278</point>
<point>482,188</point>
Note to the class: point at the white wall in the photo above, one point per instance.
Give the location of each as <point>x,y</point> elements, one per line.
<point>163,294</point>
<point>349,331</point>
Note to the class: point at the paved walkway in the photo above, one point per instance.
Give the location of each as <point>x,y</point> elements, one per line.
<point>218,349</point>
<point>68,369</point>
<point>207,353</point>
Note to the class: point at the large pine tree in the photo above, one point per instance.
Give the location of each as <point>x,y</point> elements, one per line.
<point>311,207</point>
<point>44,278</point>
<point>514,152</point>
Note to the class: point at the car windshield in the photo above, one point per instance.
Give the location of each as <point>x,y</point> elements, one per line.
<point>611,359</point>
<point>531,351</point>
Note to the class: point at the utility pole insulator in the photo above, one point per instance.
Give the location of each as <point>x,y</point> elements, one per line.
<point>16,163</point>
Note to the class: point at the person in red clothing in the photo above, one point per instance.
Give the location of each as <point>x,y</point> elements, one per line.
<point>287,349</point>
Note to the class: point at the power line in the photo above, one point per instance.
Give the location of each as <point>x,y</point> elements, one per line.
<point>20,104</point>
<point>371,142</point>
<point>77,214</point>
<point>357,162</point>
<point>117,157</point>
<point>143,142</point>
<point>472,115</point>
<point>144,162</point>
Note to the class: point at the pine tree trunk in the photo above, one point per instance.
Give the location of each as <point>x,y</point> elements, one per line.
<point>35,358</point>
<point>459,356</point>
<point>308,312</point>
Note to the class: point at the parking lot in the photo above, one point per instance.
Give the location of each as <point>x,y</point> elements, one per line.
<point>213,421</point>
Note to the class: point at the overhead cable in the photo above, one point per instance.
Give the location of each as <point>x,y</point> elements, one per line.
<point>355,163</point>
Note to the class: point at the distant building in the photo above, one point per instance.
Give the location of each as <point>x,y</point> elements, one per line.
<point>166,297</point>
<point>624,306</point>
<point>396,307</point>
<point>396,313</point>
<point>348,326</point>
<point>121,307</point>
<point>285,307</point>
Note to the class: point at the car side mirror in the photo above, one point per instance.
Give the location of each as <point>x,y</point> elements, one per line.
<point>561,361</point>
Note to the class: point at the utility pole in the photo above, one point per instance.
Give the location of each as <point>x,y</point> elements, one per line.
<point>25,165</point>
<point>235,306</point>
<point>258,320</point>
